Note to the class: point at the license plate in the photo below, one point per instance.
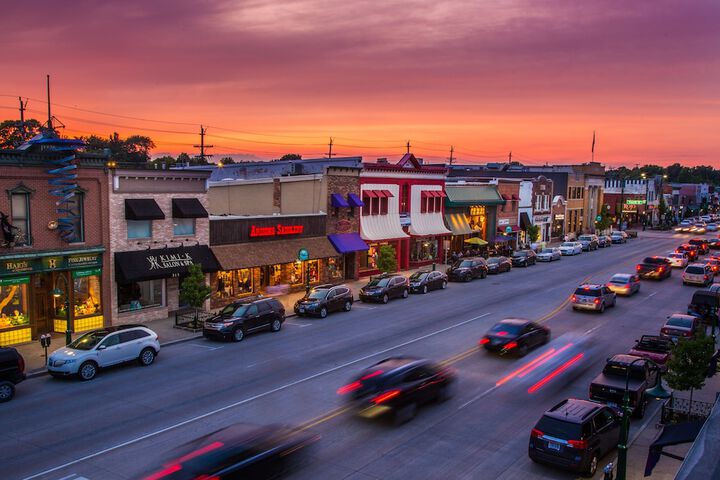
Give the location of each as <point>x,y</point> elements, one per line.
<point>301,310</point>
<point>612,404</point>
<point>554,446</point>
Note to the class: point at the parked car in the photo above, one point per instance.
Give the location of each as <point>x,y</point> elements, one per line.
<point>618,237</point>
<point>575,434</point>
<point>423,281</point>
<point>242,317</point>
<point>677,259</point>
<point>604,241</point>
<point>624,284</point>
<point>705,304</point>
<point>697,274</point>
<point>523,258</point>
<point>102,348</point>
<point>237,451</point>
<point>592,297</point>
<point>702,244</point>
<point>325,299</point>
<point>692,251</point>
<point>515,336</point>
<point>623,233</point>
<point>549,254</point>
<point>589,242</point>
<point>397,386</point>
<point>499,264</point>
<point>12,372</point>
<point>570,248</point>
<point>654,347</point>
<point>465,269</point>
<point>679,325</point>
<point>609,386</point>
<point>384,288</point>
<point>655,267</point>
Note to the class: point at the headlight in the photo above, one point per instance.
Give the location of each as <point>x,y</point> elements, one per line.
<point>60,363</point>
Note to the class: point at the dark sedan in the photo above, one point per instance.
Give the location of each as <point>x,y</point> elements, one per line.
<point>499,264</point>
<point>423,281</point>
<point>324,299</point>
<point>383,288</point>
<point>466,269</point>
<point>515,336</point>
<point>523,258</point>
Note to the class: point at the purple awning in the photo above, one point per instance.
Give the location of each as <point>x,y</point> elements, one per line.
<point>347,242</point>
<point>338,201</point>
<point>354,200</point>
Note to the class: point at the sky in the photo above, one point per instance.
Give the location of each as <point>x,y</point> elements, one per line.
<point>535,77</point>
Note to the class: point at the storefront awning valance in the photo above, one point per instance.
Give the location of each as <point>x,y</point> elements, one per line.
<point>502,238</point>
<point>256,254</point>
<point>469,195</point>
<point>370,193</point>
<point>338,201</point>
<point>374,228</point>
<point>674,434</point>
<point>188,208</point>
<point>524,221</point>
<point>354,200</point>
<point>141,265</point>
<point>142,209</point>
<point>458,224</point>
<point>348,242</point>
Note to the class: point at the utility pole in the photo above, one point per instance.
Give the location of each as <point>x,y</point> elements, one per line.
<point>23,107</point>
<point>622,201</point>
<point>452,150</point>
<point>407,145</point>
<point>330,145</point>
<point>510,157</point>
<point>203,156</point>
<point>49,120</point>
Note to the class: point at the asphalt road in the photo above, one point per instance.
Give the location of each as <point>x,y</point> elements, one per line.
<point>121,424</point>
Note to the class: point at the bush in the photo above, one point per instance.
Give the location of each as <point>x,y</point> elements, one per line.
<point>387,261</point>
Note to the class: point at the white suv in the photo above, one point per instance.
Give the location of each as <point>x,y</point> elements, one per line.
<point>103,348</point>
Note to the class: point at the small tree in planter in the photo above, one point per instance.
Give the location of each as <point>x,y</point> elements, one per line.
<point>193,290</point>
<point>533,233</point>
<point>386,261</point>
<point>689,363</point>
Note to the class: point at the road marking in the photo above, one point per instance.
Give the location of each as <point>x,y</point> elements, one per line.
<point>650,296</point>
<point>593,329</point>
<point>364,307</point>
<point>323,418</point>
<point>296,324</point>
<point>205,346</point>
<point>474,399</point>
<point>72,475</point>
<point>250,399</point>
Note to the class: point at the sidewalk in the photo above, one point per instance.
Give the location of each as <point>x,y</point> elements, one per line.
<point>34,354</point>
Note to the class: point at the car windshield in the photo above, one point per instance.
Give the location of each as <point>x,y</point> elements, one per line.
<point>547,250</point>
<point>637,371</point>
<point>379,282</point>
<point>241,310</point>
<point>620,279</point>
<point>652,345</point>
<point>519,254</point>
<point>679,322</point>
<point>318,294</point>
<point>695,270</point>
<point>88,341</point>
<point>493,260</point>
<point>585,238</point>
<point>508,328</point>
<point>418,276</point>
<point>567,244</point>
<point>588,292</point>
<point>558,428</point>
<point>462,264</point>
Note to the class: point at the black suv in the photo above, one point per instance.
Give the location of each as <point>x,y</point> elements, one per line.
<point>12,372</point>
<point>702,245</point>
<point>324,299</point>
<point>245,316</point>
<point>384,287</point>
<point>423,281</point>
<point>575,434</point>
<point>523,258</point>
<point>465,269</point>
<point>397,386</point>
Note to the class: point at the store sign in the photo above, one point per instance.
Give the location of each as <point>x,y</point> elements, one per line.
<point>503,221</point>
<point>342,226</point>
<point>86,273</point>
<point>405,220</point>
<point>541,218</point>
<point>631,201</point>
<point>14,281</point>
<point>50,263</point>
<point>18,266</point>
<point>90,260</point>
<point>161,262</point>
<point>274,230</point>
<point>560,216</point>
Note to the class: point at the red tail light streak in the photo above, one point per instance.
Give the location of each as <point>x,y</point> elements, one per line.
<point>555,373</point>
<point>529,367</point>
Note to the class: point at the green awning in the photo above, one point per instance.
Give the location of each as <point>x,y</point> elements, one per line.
<point>51,253</point>
<point>468,195</point>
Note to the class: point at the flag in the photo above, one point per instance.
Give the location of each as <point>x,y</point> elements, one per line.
<point>593,145</point>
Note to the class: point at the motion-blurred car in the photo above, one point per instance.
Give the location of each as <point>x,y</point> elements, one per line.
<point>325,299</point>
<point>385,287</point>
<point>692,251</point>
<point>398,386</point>
<point>549,255</point>
<point>499,264</point>
<point>702,245</point>
<point>697,274</point>
<point>714,243</point>
<point>423,281</point>
<point>515,336</point>
<point>592,297</point>
<point>677,259</point>
<point>656,267</point>
<point>570,248</point>
<point>684,226</point>
<point>466,269</point>
<point>238,451</point>
<point>523,258</point>
<point>712,227</point>
<point>679,325</point>
<point>624,284</point>
<point>699,227</point>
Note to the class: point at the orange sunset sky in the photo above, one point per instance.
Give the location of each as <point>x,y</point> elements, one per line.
<point>271,77</point>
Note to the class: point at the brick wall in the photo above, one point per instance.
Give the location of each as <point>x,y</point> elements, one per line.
<point>347,219</point>
<point>510,210</point>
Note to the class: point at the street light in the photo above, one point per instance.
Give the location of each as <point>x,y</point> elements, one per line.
<point>656,392</point>
<point>57,293</point>
<point>647,189</point>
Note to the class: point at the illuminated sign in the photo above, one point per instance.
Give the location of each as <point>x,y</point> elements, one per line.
<point>274,230</point>
<point>631,201</point>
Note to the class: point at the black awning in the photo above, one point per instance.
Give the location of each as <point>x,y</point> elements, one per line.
<point>524,221</point>
<point>188,208</point>
<point>162,263</point>
<point>142,209</point>
<point>671,435</point>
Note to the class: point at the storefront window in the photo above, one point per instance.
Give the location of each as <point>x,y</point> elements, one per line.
<point>139,295</point>
<point>478,220</point>
<point>87,295</point>
<point>234,283</point>
<point>423,249</point>
<point>368,258</point>
<point>139,229</point>
<point>296,273</point>
<point>59,300</point>
<point>13,304</point>
<point>335,266</point>
<point>312,270</point>
<point>183,226</point>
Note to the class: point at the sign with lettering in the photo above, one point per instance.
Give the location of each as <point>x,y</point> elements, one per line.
<point>50,263</point>
<point>89,260</point>
<point>503,221</point>
<point>18,266</point>
<point>631,201</point>
<point>161,262</point>
<point>274,230</point>
<point>14,281</point>
<point>342,226</point>
<point>560,216</point>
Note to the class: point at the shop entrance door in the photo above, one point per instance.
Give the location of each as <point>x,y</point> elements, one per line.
<point>42,319</point>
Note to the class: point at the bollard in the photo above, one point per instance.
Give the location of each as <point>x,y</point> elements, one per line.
<point>608,471</point>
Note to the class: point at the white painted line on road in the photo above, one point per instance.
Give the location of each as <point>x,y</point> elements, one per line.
<point>474,399</point>
<point>592,329</point>
<point>296,324</point>
<point>205,346</point>
<point>72,475</point>
<point>250,399</point>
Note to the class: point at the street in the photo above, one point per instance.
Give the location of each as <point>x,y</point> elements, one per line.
<point>120,425</point>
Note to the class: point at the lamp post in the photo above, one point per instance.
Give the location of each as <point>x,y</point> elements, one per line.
<point>656,392</point>
<point>647,190</point>
<point>57,293</point>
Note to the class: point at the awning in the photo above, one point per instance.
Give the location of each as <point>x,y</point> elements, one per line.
<point>515,197</point>
<point>338,201</point>
<point>256,254</point>
<point>354,200</point>
<point>524,221</point>
<point>458,224</point>
<point>188,208</point>
<point>503,238</point>
<point>142,209</point>
<point>671,435</point>
<point>513,229</point>
<point>348,242</point>
<point>476,241</point>
<point>505,196</point>
<point>370,193</point>
<point>469,195</point>
<point>140,265</point>
<point>381,227</point>
<point>425,224</point>
<point>384,193</point>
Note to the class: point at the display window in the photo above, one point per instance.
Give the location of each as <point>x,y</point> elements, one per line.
<point>296,273</point>
<point>423,249</point>
<point>478,220</point>
<point>368,258</point>
<point>14,310</point>
<point>335,267</point>
<point>140,295</point>
<point>61,299</point>
<point>312,270</point>
<point>234,283</point>
<point>86,296</point>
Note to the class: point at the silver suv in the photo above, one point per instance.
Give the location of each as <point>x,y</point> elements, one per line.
<point>593,297</point>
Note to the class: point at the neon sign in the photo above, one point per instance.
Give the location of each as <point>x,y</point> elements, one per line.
<point>275,230</point>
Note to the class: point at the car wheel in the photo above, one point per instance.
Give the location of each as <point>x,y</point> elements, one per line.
<point>348,306</point>
<point>424,290</point>
<point>592,466</point>
<point>444,285</point>
<point>405,293</point>
<point>238,334</point>
<point>87,371</point>
<point>468,278</point>
<point>276,325</point>
<point>405,414</point>
<point>614,301</point>
<point>483,274</point>
<point>7,391</point>
<point>147,357</point>
<point>323,312</point>
<point>602,307</point>
<point>523,350</point>
<point>385,298</point>
<point>444,393</point>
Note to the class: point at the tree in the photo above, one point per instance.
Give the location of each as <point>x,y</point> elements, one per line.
<point>533,233</point>
<point>605,219</point>
<point>183,158</point>
<point>689,363</point>
<point>291,156</point>
<point>166,161</point>
<point>193,290</point>
<point>387,261</point>
<point>227,160</point>
<point>134,149</point>
<point>11,135</point>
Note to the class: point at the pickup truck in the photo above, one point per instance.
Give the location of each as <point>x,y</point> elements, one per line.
<point>609,386</point>
<point>12,372</point>
<point>654,347</point>
<point>654,267</point>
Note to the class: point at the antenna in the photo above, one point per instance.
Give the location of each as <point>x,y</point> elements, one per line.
<point>407,145</point>
<point>203,156</point>
<point>23,107</point>
<point>452,150</point>
<point>49,125</point>
<point>510,157</point>
<point>330,145</point>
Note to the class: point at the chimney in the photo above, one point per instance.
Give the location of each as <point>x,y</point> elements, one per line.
<point>383,161</point>
<point>277,193</point>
